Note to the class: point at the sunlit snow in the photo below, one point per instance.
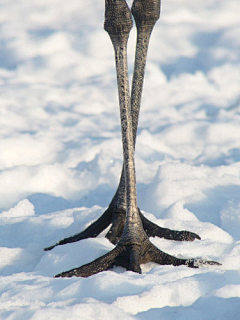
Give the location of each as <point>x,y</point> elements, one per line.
<point>61,157</point>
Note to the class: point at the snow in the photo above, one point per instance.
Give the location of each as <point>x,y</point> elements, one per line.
<point>61,157</point>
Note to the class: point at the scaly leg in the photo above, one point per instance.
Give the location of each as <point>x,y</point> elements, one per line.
<point>134,247</point>
<point>146,13</point>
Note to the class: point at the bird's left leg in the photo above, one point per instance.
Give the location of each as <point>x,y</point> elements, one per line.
<point>145,13</point>
<point>134,247</point>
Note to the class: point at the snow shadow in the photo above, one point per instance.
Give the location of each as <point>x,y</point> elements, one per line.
<point>8,59</point>
<point>210,308</point>
<point>204,60</point>
<point>222,159</point>
<point>46,203</point>
<point>210,208</point>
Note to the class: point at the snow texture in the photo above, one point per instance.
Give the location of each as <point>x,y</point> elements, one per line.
<point>61,157</point>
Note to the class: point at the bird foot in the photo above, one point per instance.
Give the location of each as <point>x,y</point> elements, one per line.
<point>116,217</point>
<point>153,230</point>
<point>131,257</point>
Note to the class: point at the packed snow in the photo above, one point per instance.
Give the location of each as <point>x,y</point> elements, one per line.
<point>61,157</point>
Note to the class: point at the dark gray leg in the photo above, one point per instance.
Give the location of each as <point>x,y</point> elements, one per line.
<point>146,13</point>
<point>134,247</point>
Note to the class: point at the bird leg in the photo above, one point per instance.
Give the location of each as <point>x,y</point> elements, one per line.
<point>145,13</point>
<point>134,247</point>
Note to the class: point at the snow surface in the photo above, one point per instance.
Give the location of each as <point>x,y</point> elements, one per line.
<point>60,159</point>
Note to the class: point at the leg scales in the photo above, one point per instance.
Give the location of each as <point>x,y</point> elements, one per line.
<point>116,218</point>
<point>131,257</point>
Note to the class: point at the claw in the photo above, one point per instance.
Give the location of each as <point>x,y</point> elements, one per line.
<point>200,263</point>
<point>188,236</point>
<point>50,248</point>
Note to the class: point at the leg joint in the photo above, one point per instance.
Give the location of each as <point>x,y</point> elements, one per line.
<point>118,20</point>
<point>146,12</point>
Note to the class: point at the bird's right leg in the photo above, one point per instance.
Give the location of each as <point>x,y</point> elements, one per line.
<point>146,13</point>
<point>134,247</point>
